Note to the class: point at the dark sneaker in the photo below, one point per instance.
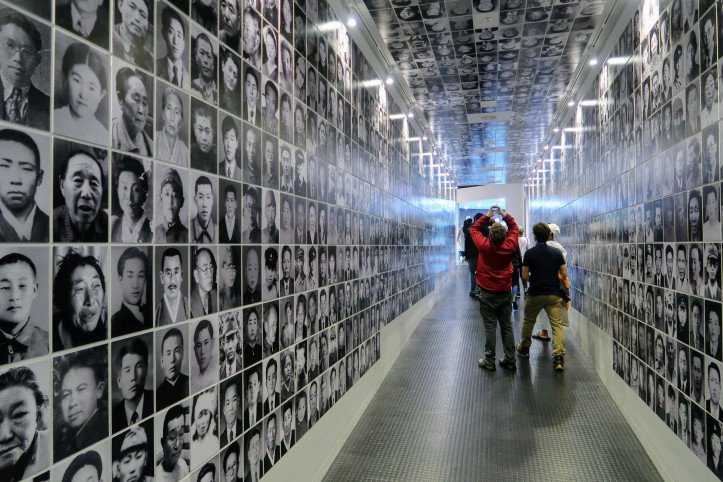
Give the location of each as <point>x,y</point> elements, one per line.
<point>558,363</point>
<point>510,365</point>
<point>523,352</point>
<point>542,335</point>
<point>487,364</point>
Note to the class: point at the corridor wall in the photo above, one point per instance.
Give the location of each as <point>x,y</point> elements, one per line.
<point>636,190</point>
<point>206,219</point>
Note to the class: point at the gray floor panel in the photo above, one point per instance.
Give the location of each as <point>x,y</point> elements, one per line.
<point>437,416</point>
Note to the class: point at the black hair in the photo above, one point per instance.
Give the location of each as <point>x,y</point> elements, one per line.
<point>62,283</point>
<point>14,258</point>
<point>134,346</point>
<point>131,253</point>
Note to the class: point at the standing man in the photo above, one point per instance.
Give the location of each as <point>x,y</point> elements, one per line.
<point>524,245</point>
<point>541,266</point>
<point>544,334</point>
<point>494,279</point>
<point>470,252</point>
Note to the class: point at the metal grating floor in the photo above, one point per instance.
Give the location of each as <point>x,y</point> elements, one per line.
<point>438,416</point>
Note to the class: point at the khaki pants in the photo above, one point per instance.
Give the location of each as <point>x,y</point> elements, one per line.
<point>552,304</point>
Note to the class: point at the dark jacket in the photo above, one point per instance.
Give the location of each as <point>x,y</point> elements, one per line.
<point>119,420</point>
<point>40,232</point>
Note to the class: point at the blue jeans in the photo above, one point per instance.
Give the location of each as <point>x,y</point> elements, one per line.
<point>472,264</point>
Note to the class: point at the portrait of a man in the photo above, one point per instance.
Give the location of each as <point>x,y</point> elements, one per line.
<point>252,337</point>
<point>172,306</point>
<point>203,142</point>
<point>135,312</point>
<point>252,156</point>
<point>230,343</point>
<point>26,103</point>
<point>81,215</point>
<point>204,363</point>
<point>252,110</point>
<point>21,165</point>
<point>230,24</point>
<point>170,228</point>
<point>24,397</point>
<point>231,409</point>
<point>230,164</point>
<point>203,67</point>
<point>88,20</point>
<point>131,371</point>
<point>133,454</point>
<point>172,66</point>
<point>131,127</point>
<point>174,435</point>
<point>170,353</point>
<point>132,33</point>
<point>81,400</point>
<point>204,298</point>
<point>23,335</point>
<point>203,223</point>
<point>230,224</point>
<point>251,209</point>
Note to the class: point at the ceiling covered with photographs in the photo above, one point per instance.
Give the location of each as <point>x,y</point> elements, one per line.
<point>488,74</point>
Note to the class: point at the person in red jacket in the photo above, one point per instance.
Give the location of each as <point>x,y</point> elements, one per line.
<point>494,278</point>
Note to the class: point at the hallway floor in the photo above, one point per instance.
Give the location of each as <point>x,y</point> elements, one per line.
<point>439,417</point>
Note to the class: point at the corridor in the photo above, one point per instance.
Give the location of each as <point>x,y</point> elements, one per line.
<point>438,416</point>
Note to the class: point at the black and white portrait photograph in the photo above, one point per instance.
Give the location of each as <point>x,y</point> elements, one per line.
<point>24,329</point>
<point>207,471</point>
<point>204,361</point>
<point>172,212</point>
<point>131,301</point>
<point>230,79</point>
<point>230,340</point>
<point>251,228</point>
<point>132,381</point>
<point>91,464</point>
<point>203,137</point>
<point>252,335</point>
<point>80,309</point>
<point>171,266</point>
<point>28,103</point>
<point>231,395</point>
<point>172,121</point>
<point>80,194</point>
<point>25,395</point>
<point>133,32</point>
<point>270,161</point>
<point>204,12</point>
<point>204,426</point>
<point>172,443</point>
<point>229,277</point>
<point>131,199</point>
<point>232,465</point>
<point>270,231</point>
<point>172,381</point>
<point>271,385</point>
<point>252,154</point>
<point>271,328</point>
<point>287,168</point>
<point>252,392</point>
<point>230,212</point>
<point>230,151</point>
<point>173,41</point>
<point>230,23</point>
<point>203,210</point>
<point>252,95</point>
<point>132,105</point>
<point>132,453</point>
<point>269,107</point>
<point>81,90</point>
<point>80,401</point>
<point>24,204</point>
<point>204,60</point>
<point>204,288</point>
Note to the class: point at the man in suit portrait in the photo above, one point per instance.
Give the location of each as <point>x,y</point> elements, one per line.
<point>203,289</point>
<point>203,226</point>
<point>230,406</point>
<point>272,452</point>
<point>174,386</point>
<point>231,462</point>
<point>272,394</point>
<point>712,403</point>
<point>20,55</point>
<point>270,233</point>
<point>171,229</point>
<point>229,86</point>
<point>204,69</point>
<point>173,306</point>
<point>252,341</point>
<point>230,166</point>
<point>21,219</point>
<point>252,159</point>
<point>81,217</point>
<point>251,232</point>
<point>230,225</point>
<point>252,113</point>
<point>86,19</point>
<point>131,363</point>
<point>20,337</point>
<point>133,314</point>
<point>203,147</point>
<point>172,67</point>
<point>252,37</point>
<point>287,282</point>
<point>253,412</point>
<point>288,439</point>
<point>271,98</point>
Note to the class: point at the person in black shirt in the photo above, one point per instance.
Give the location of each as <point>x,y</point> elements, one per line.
<point>541,266</point>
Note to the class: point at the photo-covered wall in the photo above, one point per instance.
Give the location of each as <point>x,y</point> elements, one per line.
<point>205,221</point>
<point>636,189</point>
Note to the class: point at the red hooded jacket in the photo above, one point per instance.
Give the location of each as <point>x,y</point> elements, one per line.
<point>494,263</point>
